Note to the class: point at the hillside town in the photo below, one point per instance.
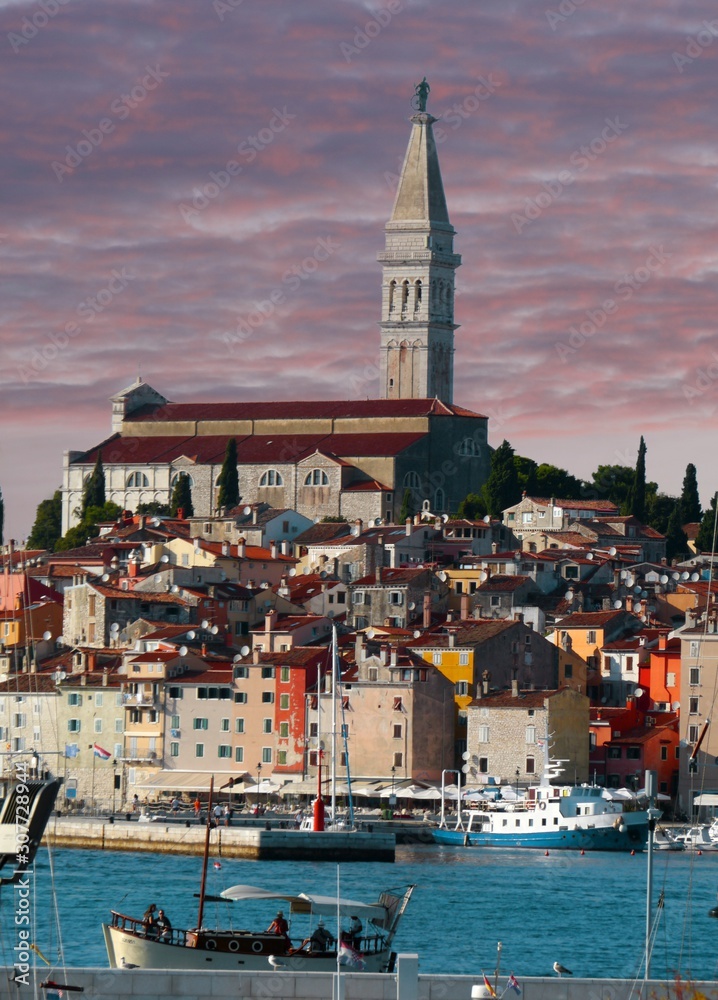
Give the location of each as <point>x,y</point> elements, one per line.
<point>170,649</point>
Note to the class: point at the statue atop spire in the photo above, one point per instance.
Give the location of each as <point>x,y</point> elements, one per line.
<point>421,92</point>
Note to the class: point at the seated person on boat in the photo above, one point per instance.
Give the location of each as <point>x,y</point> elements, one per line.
<point>279,925</point>
<point>321,940</point>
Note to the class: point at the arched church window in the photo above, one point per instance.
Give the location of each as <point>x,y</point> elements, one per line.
<point>412,481</point>
<point>176,478</point>
<point>417,296</point>
<point>469,447</point>
<point>137,479</point>
<point>439,499</point>
<point>271,478</point>
<point>392,292</point>
<point>404,295</point>
<point>316,477</point>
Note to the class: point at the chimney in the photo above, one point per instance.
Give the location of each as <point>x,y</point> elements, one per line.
<point>273,550</point>
<point>514,688</point>
<point>225,548</point>
<point>383,651</point>
<point>358,525</point>
<point>378,574</point>
<point>285,546</point>
<point>105,677</point>
<point>142,521</point>
<point>452,639</point>
<point>359,648</point>
<point>407,527</point>
<point>449,616</point>
<point>19,601</point>
<point>494,548</point>
<point>91,661</point>
<point>180,513</point>
<point>204,649</point>
<point>241,547</point>
<point>426,622</point>
<point>132,567</point>
<point>485,678</point>
<point>254,513</point>
<point>465,607</point>
<point>255,654</point>
<point>269,619</point>
<point>393,656</point>
<point>417,519</point>
<point>518,616</point>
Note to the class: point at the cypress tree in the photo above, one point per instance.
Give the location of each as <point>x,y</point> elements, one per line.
<point>690,501</point>
<point>229,478</point>
<point>636,504</point>
<point>94,493</point>
<point>407,507</point>
<point>502,488</point>
<point>182,496</point>
<point>47,529</point>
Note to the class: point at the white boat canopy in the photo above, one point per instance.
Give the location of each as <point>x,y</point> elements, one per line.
<point>306,903</point>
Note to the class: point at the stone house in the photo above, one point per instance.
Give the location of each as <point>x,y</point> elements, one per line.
<point>507,731</point>
<point>396,597</point>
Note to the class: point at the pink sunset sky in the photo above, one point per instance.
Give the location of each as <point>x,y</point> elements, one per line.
<point>579,155</point>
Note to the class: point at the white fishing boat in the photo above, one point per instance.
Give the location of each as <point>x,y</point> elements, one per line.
<point>131,943</point>
<point>665,840</point>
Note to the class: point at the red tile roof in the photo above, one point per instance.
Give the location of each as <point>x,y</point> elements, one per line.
<point>576,504</point>
<point>299,409</point>
<point>506,584</point>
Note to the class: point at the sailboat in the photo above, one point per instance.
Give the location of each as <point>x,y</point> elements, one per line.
<point>133,941</point>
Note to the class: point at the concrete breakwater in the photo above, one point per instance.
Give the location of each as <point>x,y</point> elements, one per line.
<point>405,984</point>
<point>229,842</point>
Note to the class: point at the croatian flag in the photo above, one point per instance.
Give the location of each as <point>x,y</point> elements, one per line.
<point>99,752</point>
<point>513,984</point>
<point>350,956</point>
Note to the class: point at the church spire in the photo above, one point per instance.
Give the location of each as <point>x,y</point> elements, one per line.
<point>417,323</point>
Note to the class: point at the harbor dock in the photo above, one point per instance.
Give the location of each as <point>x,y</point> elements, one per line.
<point>266,843</point>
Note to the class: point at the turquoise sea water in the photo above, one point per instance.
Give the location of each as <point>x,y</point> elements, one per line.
<point>586,911</point>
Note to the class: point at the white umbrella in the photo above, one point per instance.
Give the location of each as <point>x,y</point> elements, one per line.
<point>428,793</point>
<point>265,787</point>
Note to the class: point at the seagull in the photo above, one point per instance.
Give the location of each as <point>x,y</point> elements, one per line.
<point>276,963</point>
<point>561,970</point>
<point>127,965</point>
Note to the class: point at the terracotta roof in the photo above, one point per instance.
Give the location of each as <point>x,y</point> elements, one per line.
<point>323,532</point>
<point>298,409</point>
<point>505,699</point>
<point>366,486</point>
<point>470,632</point>
<point>589,619</point>
<point>575,504</point>
<point>390,577</point>
<point>506,584</point>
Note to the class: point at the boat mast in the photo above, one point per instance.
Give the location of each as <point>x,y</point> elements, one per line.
<point>335,691</point>
<point>205,860</point>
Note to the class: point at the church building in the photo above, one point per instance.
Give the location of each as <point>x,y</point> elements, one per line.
<point>348,458</point>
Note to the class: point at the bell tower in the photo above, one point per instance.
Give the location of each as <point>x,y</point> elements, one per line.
<point>417,315</point>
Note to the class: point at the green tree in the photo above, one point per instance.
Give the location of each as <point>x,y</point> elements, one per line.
<point>636,500</point>
<point>472,507</point>
<point>94,492</point>
<point>610,482</point>
<point>690,501</point>
<point>407,506</point>
<point>554,482</point>
<point>676,538</point>
<point>87,528</point>
<point>47,529</point>
<point>182,496</point>
<point>706,537</point>
<point>229,478</point>
<point>526,472</point>
<point>502,488</point>
<point>660,508</point>
<point>154,509</point>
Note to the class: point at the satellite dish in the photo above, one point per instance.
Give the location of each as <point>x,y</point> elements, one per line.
<point>637,591</point>
<point>247,510</point>
<point>47,635</point>
<point>412,606</point>
<point>192,634</point>
<point>623,574</point>
<point>378,521</point>
<point>330,614</point>
<point>644,594</point>
<point>568,595</point>
<point>465,769</point>
<point>483,576</point>
<point>158,578</point>
<point>114,627</point>
<point>417,633</point>
<point>638,692</point>
<point>165,558</point>
<point>676,706</point>
<point>183,651</point>
<point>244,650</point>
<point>174,589</point>
<point>487,518</point>
<point>618,604</point>
<point>237,658</point>
<point>664,579</point>
<point>215,629</point>
<point>589,555</point>
<point>444,518</point>
<point>685,576</point>
<point>155,522</point>
<point>105,577</point>
<point>370,633</point>
<point>612,551</point>
<point>466,755</point>
<point>205,623</point>
<point>695,577</point>
<point>442,576</point>
<point>292,571</point>
<point>675,576</point>
<point>264,585</point>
